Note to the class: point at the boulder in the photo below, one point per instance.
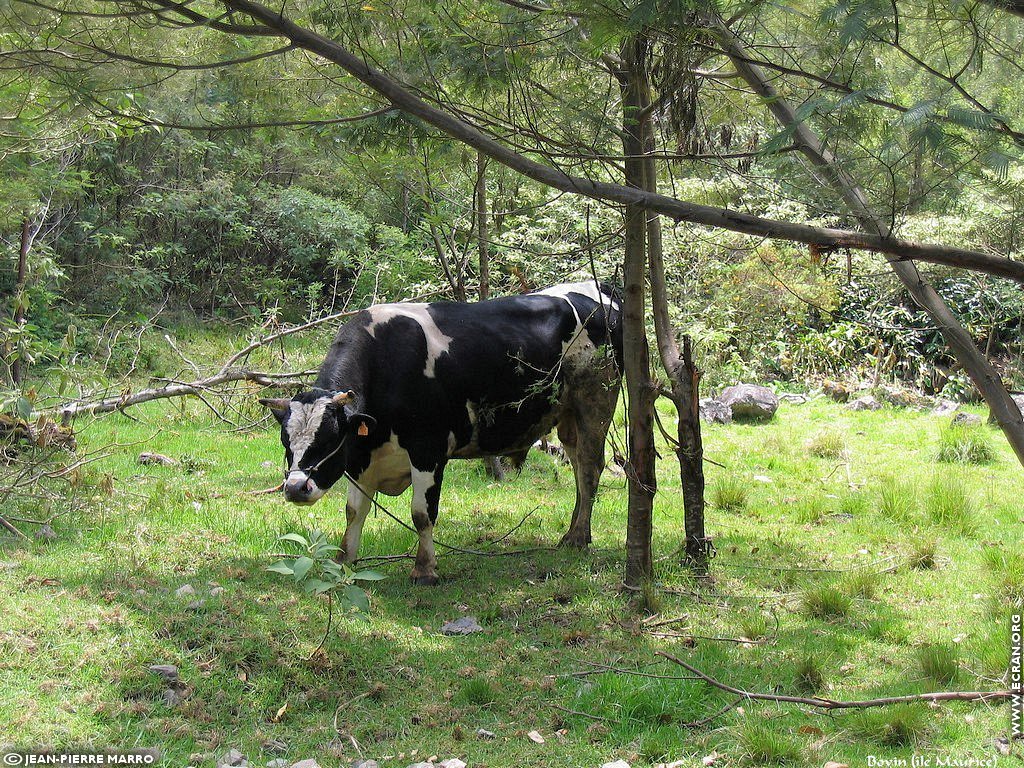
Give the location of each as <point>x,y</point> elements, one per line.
<point>905,398</point>
<point>945,407</point>
<point>232,758</point>
<point>838,392</point>
<point>967,420</point>
<point>750,402</point>
<point>168,672</point>
<point>467,625</point>
<point>714,411</point>
<point>864,403</point>
<point>793,398</point>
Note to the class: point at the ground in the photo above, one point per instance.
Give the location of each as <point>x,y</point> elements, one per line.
<point>854,563</point>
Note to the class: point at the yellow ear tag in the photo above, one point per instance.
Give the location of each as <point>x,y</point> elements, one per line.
<point>362,431</point>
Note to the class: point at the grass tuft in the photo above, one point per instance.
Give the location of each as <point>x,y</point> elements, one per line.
<point>939,662</point>
<point>902,726</point>
<point>478,691</point>
<point>966,444</point>
<point>949,504</point>
<point>827,601</point>
<point>730,493</point>
<point>763,745</point>
<point>808,677</point>
<point>863,584</point>
<point>924,555</point>
<point>828,444</point>
<point>897,500</point>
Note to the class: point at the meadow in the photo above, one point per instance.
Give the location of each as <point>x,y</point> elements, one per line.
<point>850,563</point>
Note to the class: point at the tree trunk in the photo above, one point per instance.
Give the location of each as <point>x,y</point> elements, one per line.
<point>640,467</point>
<point>482,229</point>
<point>981,371</point>
<point>20,302</point>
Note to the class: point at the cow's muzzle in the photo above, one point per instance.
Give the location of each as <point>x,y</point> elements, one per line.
<point>299,488</point>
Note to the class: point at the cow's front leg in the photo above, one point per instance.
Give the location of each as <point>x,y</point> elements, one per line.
<point>426,491</point>
<point>360,499</point>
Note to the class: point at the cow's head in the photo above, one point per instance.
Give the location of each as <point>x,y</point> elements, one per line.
<point>317,430</point>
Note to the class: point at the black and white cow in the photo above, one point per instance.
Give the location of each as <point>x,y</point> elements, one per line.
<point>406,387</point>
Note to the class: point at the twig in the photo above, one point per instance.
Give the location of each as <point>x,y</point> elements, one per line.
<point>10,527</point>
<point>327,630</point>
<point>705,720</point>
<point>830,704</point>
<point>263,491</point>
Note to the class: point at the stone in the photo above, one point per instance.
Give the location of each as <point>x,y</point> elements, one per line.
<point>232,758</point>
<point>422,765</point>
<point>466,625</point>
<point>218,590</point>
<point>307,763</point>
<point>838,392</point>
<point>46,533</point>
<point>277,762</point>
<point>157,458</point>
<point>168,672</point>
<point>905,398</point>
<point>365,764</point>
<point>483,733</point>
<point>452,762</point>
<point>750,402</point>
<point>185,590</point>
<point>864,403</point>
<point>714,411</point>
<point>172,698</point>
<point>793,398</point>
<point>616,764</point>
<point>945,407</point>
<point>967,420</point>
<point>535,737</point>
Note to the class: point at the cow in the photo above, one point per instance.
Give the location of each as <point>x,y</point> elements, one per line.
<point>407,387</point>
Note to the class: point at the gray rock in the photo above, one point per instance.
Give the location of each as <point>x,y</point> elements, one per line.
<point>483,733</point>
<point>46,533</point>
<point>422,765</point>
<point>836,391</point>
<point>1019,400</point>
<point>864,403</point>
<point>364,764</point>
<point>218,590</point>
<point>168,672</point>
<point>467,625</point>
<point>185,590</point>
<point>967,420</point>
<point>616,764</point>
<point>945,407</point>
<point>793,398</point>
<point>232,758</point>
<point>714,411</point>
<point>750,402</point>
<point>452,762</point>
<point>307,763</point>
<point>277,762</point>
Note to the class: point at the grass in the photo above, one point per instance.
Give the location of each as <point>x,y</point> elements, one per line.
<point>828,444</point>
<point>966,444</point>
<point>939,663</point>
<point>84,615</point>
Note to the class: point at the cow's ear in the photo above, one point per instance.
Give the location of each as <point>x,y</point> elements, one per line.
<point>361,424</point>
<point>277,405</point>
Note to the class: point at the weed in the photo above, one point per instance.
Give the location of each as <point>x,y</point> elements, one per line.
<point>897,500</point>
<point>477,691</point>
<point>863,584</point>
<point>808,676</point>
<point>923,555</point>
<point>902,726</point>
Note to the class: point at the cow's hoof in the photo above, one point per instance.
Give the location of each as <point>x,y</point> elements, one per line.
<point>425,579</point>
<point>575,540</point>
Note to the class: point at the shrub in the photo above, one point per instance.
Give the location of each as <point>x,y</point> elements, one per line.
<point>808,676</point>
<point>966,444</point>
<point>923,555</point>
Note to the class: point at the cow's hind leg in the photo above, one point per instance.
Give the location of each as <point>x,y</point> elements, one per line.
<point>360,499</point>
<point>582,431</point>
<point>426,492</point>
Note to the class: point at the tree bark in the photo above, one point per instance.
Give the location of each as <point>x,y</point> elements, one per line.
<point>640,389</point>
<point>981,371</point>
<point>17,369</point>
<point>482,228</point>
<point>402,98</point>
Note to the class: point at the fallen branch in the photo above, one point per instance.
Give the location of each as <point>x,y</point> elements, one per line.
<point>829,704</point>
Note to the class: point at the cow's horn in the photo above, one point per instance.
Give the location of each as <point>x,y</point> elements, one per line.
<point>275,403</point>
<point>343,397</point>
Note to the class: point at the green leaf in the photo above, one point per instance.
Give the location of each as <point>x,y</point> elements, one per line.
<point>357,598</point>
<point>295,538</point>
<point>302,566</point>
<point>317,586</point>
<point>282,567</point>
<point>368,576</point>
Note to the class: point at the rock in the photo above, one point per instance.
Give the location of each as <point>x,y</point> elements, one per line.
<point>838,392</point>
<point>864,403</point>
<point>945,407</point>
<point>365,764</point>
<point>1002,745</point>
<point>967,420</point>
<point>268,464</point>
<point>172,698</point>
<point>157,458</point>
<point>422,765</point>
<point>535,737</point>
<point>483,733</point>
<point>750,402</point>
<point>793,398</point>
<point>216,591</point>
<point>168,672</point>
<point>185,590</point>
<point>714,411</point>
<point>905,398</point>
<point>1019,400</point>
<point>616,764</point>
<point>307,763</point>
<point>452,762</point>
<point>465,626</point>
<point>232,758</point>
<point>277,762</point>
<point>46,533</point>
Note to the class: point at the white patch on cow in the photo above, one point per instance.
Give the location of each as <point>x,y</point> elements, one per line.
<point>303,423</point>
<point>388,471</point>
<point>437,342</point>
<point>588,288</point>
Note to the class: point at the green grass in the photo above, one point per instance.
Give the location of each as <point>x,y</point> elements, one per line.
<point>830,603</point>
<point>966,444</point>
<point>828,444</point>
